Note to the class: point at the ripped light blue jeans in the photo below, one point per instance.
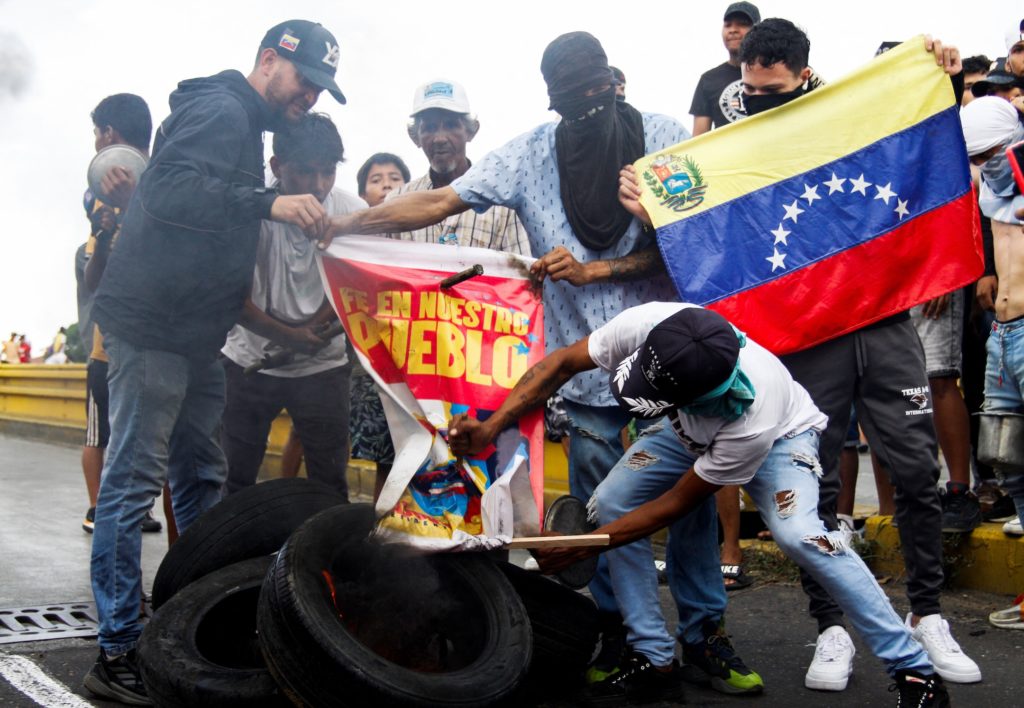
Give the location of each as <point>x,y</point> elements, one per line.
<point>1004,390</point>
<point>785,490</point>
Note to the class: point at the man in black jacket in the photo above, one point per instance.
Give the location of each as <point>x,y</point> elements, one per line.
<point>174,286</point>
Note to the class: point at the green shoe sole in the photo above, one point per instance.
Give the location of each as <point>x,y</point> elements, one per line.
<point>738,684</point>
<point>596,675</point>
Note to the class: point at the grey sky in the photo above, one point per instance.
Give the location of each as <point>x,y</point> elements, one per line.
<point>83,50</point>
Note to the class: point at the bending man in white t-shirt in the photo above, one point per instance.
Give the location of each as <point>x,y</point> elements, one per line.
<point>732,415</point>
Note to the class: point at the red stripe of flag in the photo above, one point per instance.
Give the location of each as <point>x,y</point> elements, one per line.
<point>849,290</point>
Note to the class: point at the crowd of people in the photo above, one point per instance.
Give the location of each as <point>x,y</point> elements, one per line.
<point>202,307</point>
<point>17,350</point>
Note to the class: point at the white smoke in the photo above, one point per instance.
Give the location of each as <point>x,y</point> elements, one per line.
<point>16,66</point>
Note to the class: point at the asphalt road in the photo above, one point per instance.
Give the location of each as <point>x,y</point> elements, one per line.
<point>44,559</point>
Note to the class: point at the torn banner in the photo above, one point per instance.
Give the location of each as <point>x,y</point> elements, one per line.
<point>434,353</point>
<point>826,214</point>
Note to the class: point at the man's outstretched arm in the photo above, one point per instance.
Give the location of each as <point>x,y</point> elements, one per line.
<point>467,436</point>
<point>406,212</point>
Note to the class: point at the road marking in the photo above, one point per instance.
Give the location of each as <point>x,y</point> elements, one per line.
<point>23,673</point>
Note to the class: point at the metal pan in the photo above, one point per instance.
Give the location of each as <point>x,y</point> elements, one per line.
<point>114,156</point>
<point>1001,441</point>
<point>568,516</point>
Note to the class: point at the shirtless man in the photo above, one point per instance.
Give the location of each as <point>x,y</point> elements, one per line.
<point>990,125</point>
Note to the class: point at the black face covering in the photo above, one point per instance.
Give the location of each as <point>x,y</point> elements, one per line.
<point>580,107</point>
<point>597,136</point>
<point>766,102</point>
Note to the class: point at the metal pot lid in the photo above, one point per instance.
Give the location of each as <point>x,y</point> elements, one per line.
<point>124,156</point>
<point>568,516</point>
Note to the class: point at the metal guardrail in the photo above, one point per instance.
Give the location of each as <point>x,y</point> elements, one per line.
<point>53,396</point>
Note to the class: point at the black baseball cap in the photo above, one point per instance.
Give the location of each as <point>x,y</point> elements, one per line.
<point>312,49</point>
<point>684,357</point>
<point>747,9</point>
<point>996,79</point>
<point>886,46</point>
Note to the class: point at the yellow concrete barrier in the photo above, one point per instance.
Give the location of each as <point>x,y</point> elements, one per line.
<point>986,559</point>
<point>53,396</point>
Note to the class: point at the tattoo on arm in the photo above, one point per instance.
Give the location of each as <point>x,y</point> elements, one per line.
<point>635,266</point>
<point>541,381</point>
<point>529,397</point>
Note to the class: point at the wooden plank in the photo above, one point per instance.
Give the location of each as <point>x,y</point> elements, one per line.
<point>590,539</point>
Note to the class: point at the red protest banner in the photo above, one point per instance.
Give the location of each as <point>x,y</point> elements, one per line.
<point>435,352</point>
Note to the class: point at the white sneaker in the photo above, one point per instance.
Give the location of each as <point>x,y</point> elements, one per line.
<point>833,661</point>
<point>1013,527</point>
<point>949,660</point>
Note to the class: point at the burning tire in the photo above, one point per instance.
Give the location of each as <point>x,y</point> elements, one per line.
<point>250,523</point>
<point>346,622</point>
<point>565,629</point>
<point>200,649</point>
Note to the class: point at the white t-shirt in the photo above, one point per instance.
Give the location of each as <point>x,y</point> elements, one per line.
<point>287,286</point>
<point>727,453</point>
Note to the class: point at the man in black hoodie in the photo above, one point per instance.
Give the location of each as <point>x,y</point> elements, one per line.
<point>174,286</point>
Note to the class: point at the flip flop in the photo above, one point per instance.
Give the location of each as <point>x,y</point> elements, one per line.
<point>1011,617</point>
<point>739,578</point>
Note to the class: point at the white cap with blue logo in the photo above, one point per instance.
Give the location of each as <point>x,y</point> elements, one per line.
<point>440,93</point>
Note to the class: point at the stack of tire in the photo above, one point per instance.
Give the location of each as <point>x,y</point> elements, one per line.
<point>276,597</point>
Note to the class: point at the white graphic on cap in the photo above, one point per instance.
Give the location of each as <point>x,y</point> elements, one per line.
<point>622,371</point>
<point>646,406</point>
<point>332,56</point>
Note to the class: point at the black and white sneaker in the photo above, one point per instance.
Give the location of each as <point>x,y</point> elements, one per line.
<point>914,690</point>
<point>89,522</point>
<point>637,682</point>
<point>118,678</point>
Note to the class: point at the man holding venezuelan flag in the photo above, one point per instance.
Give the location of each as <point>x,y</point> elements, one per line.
<point>847,219</point>
<point>880,370</point>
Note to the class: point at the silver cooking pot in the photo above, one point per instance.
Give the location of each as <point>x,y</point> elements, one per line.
<point>1001,441</point>
<point>119,155</point>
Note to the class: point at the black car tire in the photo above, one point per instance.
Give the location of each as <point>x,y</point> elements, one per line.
<point>565,629</point>
<point>252,522</point>
<point>453,629</point>
<point>200,649</point>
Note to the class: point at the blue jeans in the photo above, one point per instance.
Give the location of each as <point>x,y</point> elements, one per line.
<point>595,446</point>
<point>165,415</point>
<point>1004,389</point>
<point>785,490</point>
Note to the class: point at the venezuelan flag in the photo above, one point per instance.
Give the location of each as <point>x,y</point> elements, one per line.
<point>847,205</point>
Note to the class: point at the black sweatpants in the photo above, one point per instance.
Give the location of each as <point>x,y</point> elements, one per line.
<point>881,372</point>
<point>318,405</point>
